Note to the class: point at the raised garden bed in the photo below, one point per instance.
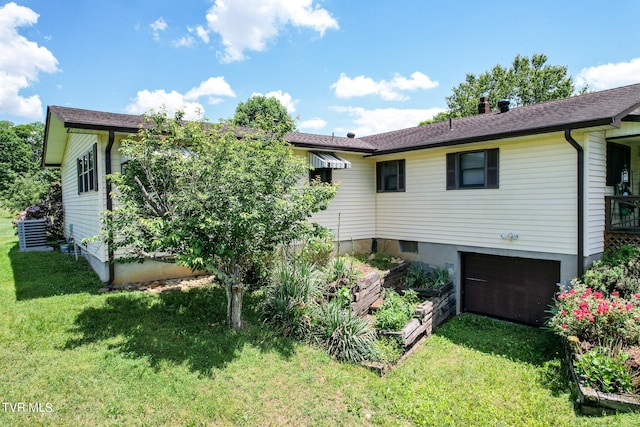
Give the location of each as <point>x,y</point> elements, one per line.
<point>437,304</point>
<point>594,402</point>
<point>416,327</point>
<point>368,288</point>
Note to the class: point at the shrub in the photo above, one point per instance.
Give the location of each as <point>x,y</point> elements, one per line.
<point>593,316</point>
<point>50,209</point>
<point>294,289</point>
<point>345,336</point>
<point>611,278</point>
<point>618,270</point>
<point>621,255</point>
<point>318,246</point>
<point>396,310</point>
<point>604,369</point>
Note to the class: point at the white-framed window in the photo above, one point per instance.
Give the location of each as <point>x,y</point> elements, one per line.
<point>88,170</point>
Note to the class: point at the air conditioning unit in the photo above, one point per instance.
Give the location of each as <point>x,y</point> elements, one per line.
<point>32,234</point>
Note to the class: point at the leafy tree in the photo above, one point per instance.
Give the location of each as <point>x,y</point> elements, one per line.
<point>216,199</point>
<point>528,81</point>
<point>23,182</point>
<point>259,110</point>
<point>15,156</point>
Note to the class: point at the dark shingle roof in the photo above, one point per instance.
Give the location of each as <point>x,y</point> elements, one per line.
<point>96,120</point>
<point>592,109</point>
<point>128,123</point>
<point>339,143</point>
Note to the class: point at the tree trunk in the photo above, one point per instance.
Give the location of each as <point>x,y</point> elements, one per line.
<point>235,292</point>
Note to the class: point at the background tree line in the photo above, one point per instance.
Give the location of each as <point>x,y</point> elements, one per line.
<point>23,180</point>
<point>527,81</point>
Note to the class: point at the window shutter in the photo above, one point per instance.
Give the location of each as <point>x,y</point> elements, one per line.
<point>95,166</point>
<point>451,171</point>
<point>79,167</point>
<point>400,175</point>
<point>492,168</point>
<point>378,176</point>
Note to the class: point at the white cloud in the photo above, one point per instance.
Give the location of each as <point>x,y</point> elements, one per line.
<point>347,87</point>
<point>185,41</point>
<point>380,120</point>
<point>213,88</point>
<point>146,100</point>
<point>284,98</point>
<point>202,33</point>
<point>250,24</point>
<point>156,26</point>
<point>610,75</point>
<point>189,40</point>
<point>313,124</point>
<point>20,62</point>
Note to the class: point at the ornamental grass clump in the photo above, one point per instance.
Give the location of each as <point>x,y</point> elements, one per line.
<point>419,278</point>
<point>295,289</point>
<point>346,336</point>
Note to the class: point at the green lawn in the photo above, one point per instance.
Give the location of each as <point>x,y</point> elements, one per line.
<point>135,359</point>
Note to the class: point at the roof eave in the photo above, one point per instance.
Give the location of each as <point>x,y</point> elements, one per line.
<point>46,139</point>
<point>90,126</point>
<point>369,151</point>
<point>498,136</point>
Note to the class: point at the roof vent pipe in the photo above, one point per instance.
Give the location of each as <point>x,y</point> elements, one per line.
<point>351,135</point>
<point>503,105</point>
<point>483,106</point>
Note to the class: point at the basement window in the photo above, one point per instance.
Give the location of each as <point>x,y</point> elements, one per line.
<point>88,171</point>
<point>409,246</point>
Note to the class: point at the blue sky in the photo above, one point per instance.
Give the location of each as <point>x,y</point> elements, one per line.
<point>338,66</point>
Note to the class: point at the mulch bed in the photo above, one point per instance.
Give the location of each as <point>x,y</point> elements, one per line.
<point>162,286</point>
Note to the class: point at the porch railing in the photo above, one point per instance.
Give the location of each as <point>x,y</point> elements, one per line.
<point>622,214</point>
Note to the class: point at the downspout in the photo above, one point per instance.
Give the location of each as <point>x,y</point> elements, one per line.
<point>107,170</point>
<point>580,181</point>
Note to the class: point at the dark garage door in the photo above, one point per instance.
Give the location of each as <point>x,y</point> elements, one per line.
<point>518,289</point>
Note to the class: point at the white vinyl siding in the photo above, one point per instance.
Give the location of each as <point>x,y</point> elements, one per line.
<point>82,211</point>
<point>595,190</point>
<point>354,203</point>
<point>536,199</point>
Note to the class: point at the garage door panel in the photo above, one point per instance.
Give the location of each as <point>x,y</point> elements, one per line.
<point>518,289</point>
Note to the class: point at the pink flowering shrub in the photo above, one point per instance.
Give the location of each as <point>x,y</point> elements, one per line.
<point>595,316</point>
